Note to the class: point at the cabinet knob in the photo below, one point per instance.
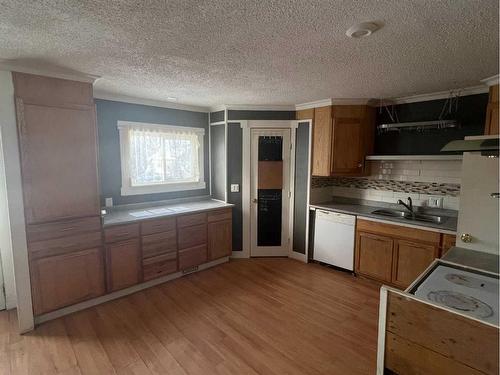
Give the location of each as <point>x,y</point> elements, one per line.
<point>360,165</point>
<point>466,237</point>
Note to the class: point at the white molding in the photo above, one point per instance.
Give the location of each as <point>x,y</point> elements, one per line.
<point>98,94</point>
<point>217,123</point>
<point>333,101</point>
<point>382,319</point>
<point>48,72</point>
<point>314,104</point>
<point>493,80</point>
<point>414,157</point>
<point>298,256</point>
<point>218,108</point>
<point>245,187</point>
<point>121,293</point>
<point>239,255</point>
<point>250,107</point>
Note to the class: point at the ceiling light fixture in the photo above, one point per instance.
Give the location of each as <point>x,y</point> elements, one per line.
<point>362,30</point>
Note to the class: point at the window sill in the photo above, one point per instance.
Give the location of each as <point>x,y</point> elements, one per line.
<point>167,188</point>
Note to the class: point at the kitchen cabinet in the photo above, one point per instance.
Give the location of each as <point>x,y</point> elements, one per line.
<point>447,242</point>
<point>123,264</point>
<point>305,114</point>
<point>492,120</point>
<point>394,254</point>
<point>410,260</point>
<point>342,137</point>
<point>220,239</point>
<point>374,256</point>
<point>63,280</point>
<point>192,240</point>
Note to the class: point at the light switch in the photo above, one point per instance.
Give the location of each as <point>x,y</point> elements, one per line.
<point>435,202</point>
<point>235,188</point>
<point>108,202</point>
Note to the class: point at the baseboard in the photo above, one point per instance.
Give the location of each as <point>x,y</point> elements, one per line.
<point>239,255</point>
<point>121,293</point>
<point>298,256</point>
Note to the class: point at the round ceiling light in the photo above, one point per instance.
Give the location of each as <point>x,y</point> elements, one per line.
<point>362,30</point>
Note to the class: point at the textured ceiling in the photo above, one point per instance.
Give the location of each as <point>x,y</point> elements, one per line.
<point>257,52</point>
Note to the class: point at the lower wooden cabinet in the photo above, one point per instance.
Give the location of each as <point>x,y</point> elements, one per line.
<point>123,264</point>
<point>410,260</point>
<point>193,256</point>
<point>220,239</point>
<point>159,265</point>
<point>447,242</point>
<point>63,280</point>
<point>374,256</point>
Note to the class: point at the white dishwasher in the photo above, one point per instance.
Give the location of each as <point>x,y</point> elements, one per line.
<point>334,239</point>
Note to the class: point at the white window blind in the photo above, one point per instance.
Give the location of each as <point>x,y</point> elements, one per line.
<point>160,158</point>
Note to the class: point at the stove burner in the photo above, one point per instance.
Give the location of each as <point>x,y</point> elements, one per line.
<point>468,281</point>
<point>461,302</point>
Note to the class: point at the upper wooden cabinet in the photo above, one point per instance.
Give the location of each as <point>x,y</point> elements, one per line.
<point>491,126</point>
<point>342,137</point>
<point>57,137</point>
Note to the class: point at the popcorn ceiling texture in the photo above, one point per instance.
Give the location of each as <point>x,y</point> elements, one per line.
<point>256,52</point>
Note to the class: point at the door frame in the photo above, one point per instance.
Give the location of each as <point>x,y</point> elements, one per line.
<point>246,126</point>
<point>286,199</point>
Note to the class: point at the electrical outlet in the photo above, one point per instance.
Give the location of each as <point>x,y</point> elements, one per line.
<point>436,202</point>
<point>235,188</point>
<point>108,202</point>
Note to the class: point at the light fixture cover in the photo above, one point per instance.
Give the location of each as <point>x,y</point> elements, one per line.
<point>362,30</point>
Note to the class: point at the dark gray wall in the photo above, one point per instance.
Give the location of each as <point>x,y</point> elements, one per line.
<point>234,176</point>
<point>218,151</point>
<point>300,194</point>
<point>108,114</point>
<point>260,115</point>
<point>216,116</point>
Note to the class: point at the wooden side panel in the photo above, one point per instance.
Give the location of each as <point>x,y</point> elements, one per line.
<point>374,256</point>
<point>59,162</point>
<point>192,236</point>
<point>220,239</point>
<point>270,175</point>
<point>405,357</point>
<point>410,260</point>
<point>398,231</point>
<point>64,280</point>
<point>447,242</point>
<point>305,114</point>
<point>193,256</point>
<point>322,141</point>
<point>461,339</point>
<point>123,263</point>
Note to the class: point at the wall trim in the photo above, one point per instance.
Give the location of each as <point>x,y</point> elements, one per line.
<point>493,80</point>
<point>314,104</point>
<point>250,107</point>
<point>48,72</point>
<point>121,293</point>
<point>98,94</point>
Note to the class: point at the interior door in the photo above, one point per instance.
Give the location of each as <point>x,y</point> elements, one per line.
<point>270,192</point>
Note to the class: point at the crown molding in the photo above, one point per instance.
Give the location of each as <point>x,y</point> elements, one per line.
<point>48,72</point>
<point>250,107</point>
<point>493,80</point>
<point>315,104</point>
<point>98,94</point>
<point>333,101</point>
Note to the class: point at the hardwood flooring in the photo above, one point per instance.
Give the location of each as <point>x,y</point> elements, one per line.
<point>258,316</point>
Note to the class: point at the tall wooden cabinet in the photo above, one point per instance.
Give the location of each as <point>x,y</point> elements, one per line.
<point>343,136</point>
<point>492,120</point>
<point>58,146</point>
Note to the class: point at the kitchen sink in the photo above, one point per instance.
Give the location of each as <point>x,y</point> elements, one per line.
<point>409,216</point>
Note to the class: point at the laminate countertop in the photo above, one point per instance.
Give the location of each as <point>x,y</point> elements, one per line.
<point>134,213</point>
<point>472,258</point>
<point>449,224</point>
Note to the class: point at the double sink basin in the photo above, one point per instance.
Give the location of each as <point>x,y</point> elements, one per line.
<point>410,216</point>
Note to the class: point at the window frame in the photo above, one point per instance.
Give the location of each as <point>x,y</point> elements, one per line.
<point>128,189</point>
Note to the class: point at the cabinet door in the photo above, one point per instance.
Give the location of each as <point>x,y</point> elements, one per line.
<point>410,260</point>
<point>123,264</point>
<point>491,126</point>
<point>59,161</point>
<point>220,239</point>
<point>347,146</point>
<point>447,242</point>
<point>64,280</point>
<point>374,256</point>
<point>322,141</point>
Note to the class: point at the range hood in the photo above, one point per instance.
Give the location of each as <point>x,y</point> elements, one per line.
<point>484,144</point>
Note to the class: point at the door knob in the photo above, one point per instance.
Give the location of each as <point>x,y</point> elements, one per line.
<point>255,200</point>
<point>466,237</point>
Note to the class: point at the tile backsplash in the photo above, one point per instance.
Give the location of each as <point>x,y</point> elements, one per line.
<point>389,181</point>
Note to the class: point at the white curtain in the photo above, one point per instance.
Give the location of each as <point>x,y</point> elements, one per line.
<point>160,156</point>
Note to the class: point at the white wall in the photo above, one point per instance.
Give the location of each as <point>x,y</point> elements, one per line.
<point>16,253</point>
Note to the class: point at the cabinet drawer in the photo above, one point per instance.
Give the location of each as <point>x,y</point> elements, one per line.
<point>156,226</point>
<point>189,220</point>
<point>62,245</point>
<point>121,232</point>
<point>159,266</point>
<point>220,215</point>
<point>47,231</point>
<point>155,244</point>
<point>193,256</point>
<point>398,231</point>
<point>192,236</point>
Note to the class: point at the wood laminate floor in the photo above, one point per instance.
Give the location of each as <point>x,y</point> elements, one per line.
<point>258,316</point>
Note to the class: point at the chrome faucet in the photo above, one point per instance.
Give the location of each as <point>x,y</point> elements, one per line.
<point>408,205</point>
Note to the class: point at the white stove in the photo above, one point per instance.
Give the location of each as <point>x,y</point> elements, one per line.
<point>469,292</point>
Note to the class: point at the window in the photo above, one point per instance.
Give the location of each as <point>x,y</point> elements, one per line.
<point>160,158</point>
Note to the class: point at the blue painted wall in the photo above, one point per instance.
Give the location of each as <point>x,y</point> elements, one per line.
<point>108,114</point>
